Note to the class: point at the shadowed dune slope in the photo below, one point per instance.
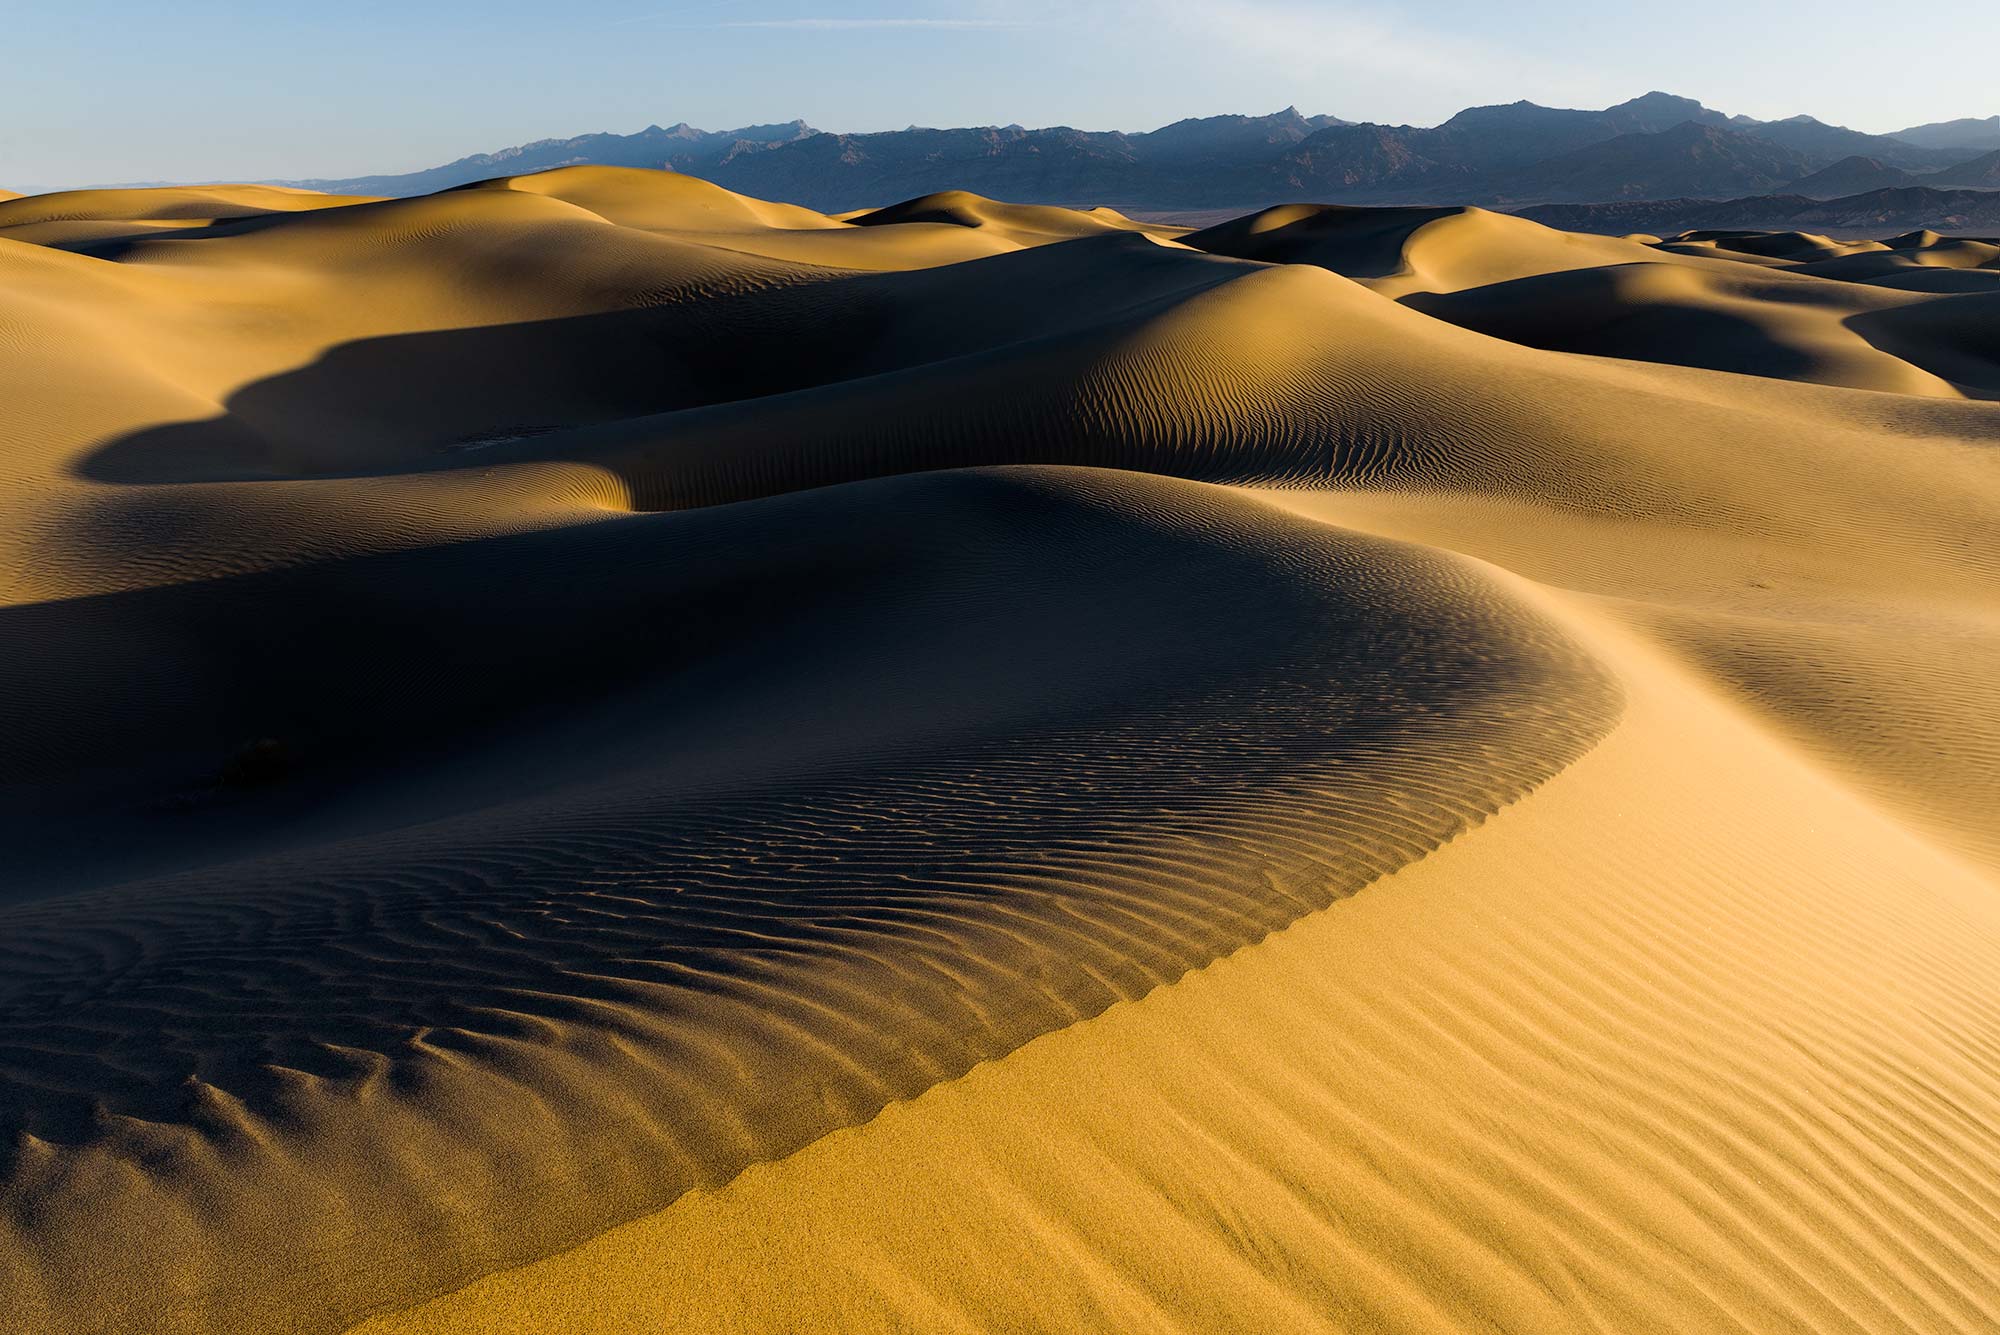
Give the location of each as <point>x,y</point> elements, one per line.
<point>1826,333</point>
<point>738,905</point>
<point>586,753</point>
<point>1688,1040</point>
<point>1027,224</point>
<point>1728,302</point>
<point>1913,262</point>
<point>1402,250</point>
<point>75,218</point>
<point>170,204</point>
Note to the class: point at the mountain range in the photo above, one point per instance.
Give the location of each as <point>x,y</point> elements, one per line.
<point>1658,146</point>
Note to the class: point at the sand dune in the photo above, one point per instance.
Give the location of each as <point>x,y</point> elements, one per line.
<point>1024,224</point>
<point>1397,251</point>
<point>167,203</point>
<point>1915,261</point>
<point>588,754</point>
<point>1664,302</point>
<point>73,217</point>
<point>1709,1068</point>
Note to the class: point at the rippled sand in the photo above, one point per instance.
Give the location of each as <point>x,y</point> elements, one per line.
<point>589,754</point>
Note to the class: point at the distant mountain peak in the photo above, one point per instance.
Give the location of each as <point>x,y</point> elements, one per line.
<point>1656,145</point>
<point>1980,173</point>
<point>1657,102</point>
<point>1851,175</point>
<point>1980,134</point>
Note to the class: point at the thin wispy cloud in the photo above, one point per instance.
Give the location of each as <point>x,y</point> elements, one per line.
<point>848,25</point>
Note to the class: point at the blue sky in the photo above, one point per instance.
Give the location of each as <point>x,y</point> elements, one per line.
<point>108,90</point>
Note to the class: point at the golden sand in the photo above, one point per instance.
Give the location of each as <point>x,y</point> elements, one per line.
<point>590,754</point>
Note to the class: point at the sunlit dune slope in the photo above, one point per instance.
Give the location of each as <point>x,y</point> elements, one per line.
<point>1728,302</point>
<point>165,204</point>
<point>73,218</point>
<point>1688,1040</point>
<point>1025,224</point>
<point>1265,714</point>
<point>1402,250</point>
<point>1915,261</point>
<point>586,753</point>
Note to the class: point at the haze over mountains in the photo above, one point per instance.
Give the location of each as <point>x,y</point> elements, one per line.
<point>1911,208</point>
<point>1654,147</point>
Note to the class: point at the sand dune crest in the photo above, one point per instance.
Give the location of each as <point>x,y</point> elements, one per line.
<point>588,753</point>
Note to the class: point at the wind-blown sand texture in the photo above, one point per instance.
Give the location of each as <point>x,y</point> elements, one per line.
<point>586,754</point>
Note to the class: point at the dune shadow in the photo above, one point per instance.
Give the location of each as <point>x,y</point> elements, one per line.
<point>115,248</point>
<point>1956,338</point>
<point>1356,241</point>
<point>1582,311</point>
<point>416,402</point>
<point>860,786</point>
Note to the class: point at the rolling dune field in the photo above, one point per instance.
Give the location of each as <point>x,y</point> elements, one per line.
<point>589,754</point>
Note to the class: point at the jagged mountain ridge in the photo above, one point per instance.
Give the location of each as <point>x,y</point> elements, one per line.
<point>1691,158</point>
<point>1982,173</point>
<point>1967,132</point>
<point>1650,147</point>
<point>682,147</point>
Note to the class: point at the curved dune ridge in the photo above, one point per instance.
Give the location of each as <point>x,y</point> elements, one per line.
<point>586,753</point>
<point>740,936</point>
<point>1729,302</point>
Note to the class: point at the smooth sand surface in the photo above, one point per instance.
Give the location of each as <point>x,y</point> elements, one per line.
<point>589,754</point>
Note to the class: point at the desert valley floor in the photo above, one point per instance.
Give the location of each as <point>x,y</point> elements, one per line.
<point>588,754</point>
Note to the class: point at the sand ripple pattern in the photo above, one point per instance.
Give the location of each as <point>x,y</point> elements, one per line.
<point>521,705</point>
<point>504,1030</point>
